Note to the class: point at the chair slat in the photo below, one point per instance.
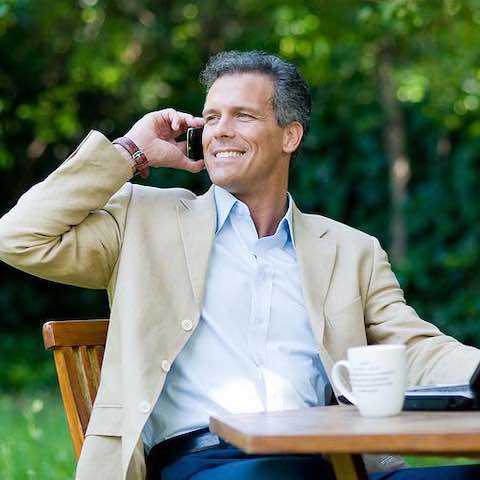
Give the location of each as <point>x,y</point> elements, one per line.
<point>87,373</point>
<point>99,351</point>
<point>78,347</point>
<point>95,366</point>
<point>69,401</point>
<point>79,388</point>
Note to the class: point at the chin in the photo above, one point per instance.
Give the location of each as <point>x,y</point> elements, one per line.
<point>229,187</point>
<point>221,181</point>
<point>225,185</point>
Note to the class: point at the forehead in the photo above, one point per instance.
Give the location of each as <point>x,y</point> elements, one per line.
<point>240,89</point>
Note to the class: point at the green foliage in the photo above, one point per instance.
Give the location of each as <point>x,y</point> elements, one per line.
<point>24,363</point>
<point>67,67</point>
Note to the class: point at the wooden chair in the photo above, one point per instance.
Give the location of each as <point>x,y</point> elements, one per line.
<point>78,347</point>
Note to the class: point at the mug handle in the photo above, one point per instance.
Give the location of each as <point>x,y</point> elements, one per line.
<point>338,382</point>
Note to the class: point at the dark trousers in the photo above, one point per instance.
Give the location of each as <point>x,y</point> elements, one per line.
<point>225,462</point>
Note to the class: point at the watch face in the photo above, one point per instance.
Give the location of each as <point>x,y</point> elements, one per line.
<point>194,143</point>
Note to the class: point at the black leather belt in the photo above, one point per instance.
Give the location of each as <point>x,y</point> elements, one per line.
<point>169,450</point>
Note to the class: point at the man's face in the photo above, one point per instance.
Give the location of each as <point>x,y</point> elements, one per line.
<point>242,141</point>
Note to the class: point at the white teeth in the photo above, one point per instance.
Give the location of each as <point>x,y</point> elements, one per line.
<point>228,154</point>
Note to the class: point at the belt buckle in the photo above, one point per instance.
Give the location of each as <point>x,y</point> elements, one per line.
<point>207,440</point>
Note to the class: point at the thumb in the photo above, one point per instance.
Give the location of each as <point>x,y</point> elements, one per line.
<point>193,166</point>
<point>167,154</point>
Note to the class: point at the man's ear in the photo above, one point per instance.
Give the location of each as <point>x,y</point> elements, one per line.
<point>292,136</point>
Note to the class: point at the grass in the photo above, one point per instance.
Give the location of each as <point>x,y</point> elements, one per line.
<point>425,461</point>
<point>34,440</point>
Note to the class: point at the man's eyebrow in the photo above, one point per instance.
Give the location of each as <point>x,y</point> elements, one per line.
<point>207,111</point>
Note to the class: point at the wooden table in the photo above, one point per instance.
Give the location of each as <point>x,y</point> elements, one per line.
<point>342,434</point>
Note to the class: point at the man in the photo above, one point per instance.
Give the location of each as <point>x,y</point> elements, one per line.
<point>232,301</point>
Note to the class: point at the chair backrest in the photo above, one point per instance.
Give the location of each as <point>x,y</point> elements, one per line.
<point>78,347</point>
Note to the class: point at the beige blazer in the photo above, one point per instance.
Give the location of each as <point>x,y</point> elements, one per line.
<point>85,225</point>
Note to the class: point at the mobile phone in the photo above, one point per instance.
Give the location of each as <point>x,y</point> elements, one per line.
<point>194,143</point>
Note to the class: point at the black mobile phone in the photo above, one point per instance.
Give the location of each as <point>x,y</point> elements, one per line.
<point>194,143</point>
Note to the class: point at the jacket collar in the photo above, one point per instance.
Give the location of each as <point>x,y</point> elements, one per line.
<point>197,219</point>
<point>316,255</point>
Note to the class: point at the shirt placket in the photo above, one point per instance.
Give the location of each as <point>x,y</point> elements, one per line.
<point>261,307</point>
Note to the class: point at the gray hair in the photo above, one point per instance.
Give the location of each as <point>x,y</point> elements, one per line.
<point>291,99</point>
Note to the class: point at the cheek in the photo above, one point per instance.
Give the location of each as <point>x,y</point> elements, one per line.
<point>209,163</point>
<point>206,138</point>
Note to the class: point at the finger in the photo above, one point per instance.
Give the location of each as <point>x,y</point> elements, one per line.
<point>192,121</point>
<point>196,122</point>
<point>181,121</point>
<point>171,117</point>
<point>162,119</point>
<point>177,120</point>
<point>169,124</point>
<point>166,114</point>
<point>193,166</point>
<point>185,115</point>
<point>186,120</point>
<point>167,154</point>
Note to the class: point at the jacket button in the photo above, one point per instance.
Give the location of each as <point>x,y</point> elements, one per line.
<point>165,365</point>
<point>144,406</point>
<point>187,325</point>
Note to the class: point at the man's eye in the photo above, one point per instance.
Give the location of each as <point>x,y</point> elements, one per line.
<point>210,118</point>
<point>245,115</point>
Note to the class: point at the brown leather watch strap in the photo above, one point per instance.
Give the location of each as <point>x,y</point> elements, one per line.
<point>141,161</point>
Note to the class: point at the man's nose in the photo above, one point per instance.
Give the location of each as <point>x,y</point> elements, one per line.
<point>224,127</point>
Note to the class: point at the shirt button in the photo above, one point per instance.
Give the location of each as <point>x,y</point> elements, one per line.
<point>144,407</point>
<point>165,365</point>
<point>187,325</point>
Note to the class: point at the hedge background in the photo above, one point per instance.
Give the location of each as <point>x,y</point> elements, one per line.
<point>393,150</point>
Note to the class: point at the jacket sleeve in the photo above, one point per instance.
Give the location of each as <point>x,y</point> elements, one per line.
<point>432,356</point>
<point>69,227</point>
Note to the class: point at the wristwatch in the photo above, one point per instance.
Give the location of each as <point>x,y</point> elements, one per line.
<point>140,159</point>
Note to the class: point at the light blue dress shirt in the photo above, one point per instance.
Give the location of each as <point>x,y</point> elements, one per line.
<point>253,349</point>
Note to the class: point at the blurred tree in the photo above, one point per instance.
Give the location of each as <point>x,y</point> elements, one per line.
<point>394,143</point>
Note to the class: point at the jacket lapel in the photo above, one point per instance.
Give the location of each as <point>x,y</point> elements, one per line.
<point>197,219</point>
<point>316,255</point>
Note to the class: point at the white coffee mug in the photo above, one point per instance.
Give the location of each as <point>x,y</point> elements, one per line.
<point>377,376</point>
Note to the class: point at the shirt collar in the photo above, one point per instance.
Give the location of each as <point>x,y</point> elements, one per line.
<point>225,202</point>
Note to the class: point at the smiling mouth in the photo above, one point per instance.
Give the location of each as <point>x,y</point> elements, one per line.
<point>228,154</point>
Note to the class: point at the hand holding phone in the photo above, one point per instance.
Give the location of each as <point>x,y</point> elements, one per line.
<point>156,135</point>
